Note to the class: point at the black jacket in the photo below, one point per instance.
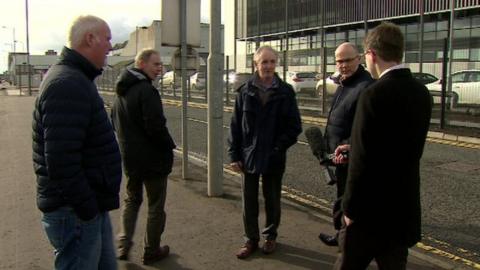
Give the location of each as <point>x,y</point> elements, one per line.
<point>389,131</point>
<point>75,154</point>
<point>342,111</point>
<point>141,127</point>
<point>260,135</point>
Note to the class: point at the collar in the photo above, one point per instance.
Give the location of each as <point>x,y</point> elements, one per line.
<point>399,66</point>
<point>71,57</point>
<point>350,79</point>
<point>256,83</point>
<point>139,74</point>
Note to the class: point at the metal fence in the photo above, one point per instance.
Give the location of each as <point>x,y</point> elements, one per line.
<point>460,110</point>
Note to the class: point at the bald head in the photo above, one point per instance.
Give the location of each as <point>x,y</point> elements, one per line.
<point>347,59</point>
<point>347,47</point>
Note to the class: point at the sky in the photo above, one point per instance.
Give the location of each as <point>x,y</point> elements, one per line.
<point>49,20</point>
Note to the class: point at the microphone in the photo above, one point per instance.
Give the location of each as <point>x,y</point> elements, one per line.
<point>319,150</point>
<point>318,146</point>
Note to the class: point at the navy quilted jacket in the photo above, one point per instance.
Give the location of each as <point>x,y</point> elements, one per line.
<point>75,154</point>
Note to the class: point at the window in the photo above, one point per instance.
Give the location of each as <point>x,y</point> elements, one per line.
<point>475,54</point>
<point>459,77</point>
<point>462,54</point>
<point>473,77</point>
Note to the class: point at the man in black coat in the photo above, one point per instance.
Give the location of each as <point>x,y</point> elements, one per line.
<point>381,203</point>
<point>75,154</point>
<point>147,151</point>
<point>353,80</point>
<point>265,123</point>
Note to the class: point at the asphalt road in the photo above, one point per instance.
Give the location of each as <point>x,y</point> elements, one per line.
<point>450,183</point>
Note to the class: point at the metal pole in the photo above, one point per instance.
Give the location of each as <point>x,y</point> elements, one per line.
<point>215,103</point>
<point>28,53</point>
<point>227,81</point>
<point>420,45</point>
<point>183,33</point>
<point>235,29</point>
<point>365,16</point>
<point>324,62</point>
<point>444,77</point>
<point>452,21</point>
<point>285,54</point>
<point>14,60</point>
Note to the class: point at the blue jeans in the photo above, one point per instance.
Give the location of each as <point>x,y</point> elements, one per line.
<point>80,244</point>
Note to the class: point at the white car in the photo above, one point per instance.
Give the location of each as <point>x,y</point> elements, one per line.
<point>197,81</point>
<point>332,85</point>
<point>303,82</point>
<point>465,88</point>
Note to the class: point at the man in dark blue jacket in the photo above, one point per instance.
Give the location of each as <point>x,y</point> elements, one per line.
<point>75,155</point>
<point>353,79</point>
<point>265,123</point>
<point>147,151</point>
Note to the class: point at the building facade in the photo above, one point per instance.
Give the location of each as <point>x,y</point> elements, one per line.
<point>301,29</point>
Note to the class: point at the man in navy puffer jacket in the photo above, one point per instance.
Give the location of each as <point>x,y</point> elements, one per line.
<point>75,154</point>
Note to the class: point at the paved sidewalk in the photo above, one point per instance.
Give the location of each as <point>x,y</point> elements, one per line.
<point>203,232</point>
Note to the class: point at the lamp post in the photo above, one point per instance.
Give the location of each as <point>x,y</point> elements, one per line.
<point>13,72</point>
<point>28,52</point>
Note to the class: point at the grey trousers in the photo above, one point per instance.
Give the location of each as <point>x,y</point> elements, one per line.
<point>156,188</point>
<point>272,187</point>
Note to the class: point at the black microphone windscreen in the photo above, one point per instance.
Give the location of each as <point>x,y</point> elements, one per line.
<point>315,141</point>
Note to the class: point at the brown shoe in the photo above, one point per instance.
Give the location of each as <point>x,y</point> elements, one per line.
<point>156,256</point>
<point>269,246</point>
<point>248,248</point>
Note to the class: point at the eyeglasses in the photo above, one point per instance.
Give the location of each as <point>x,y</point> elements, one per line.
<point>346,61</point>
<point>367,52</point>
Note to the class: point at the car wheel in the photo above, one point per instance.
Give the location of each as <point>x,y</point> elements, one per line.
<point>453,100</point>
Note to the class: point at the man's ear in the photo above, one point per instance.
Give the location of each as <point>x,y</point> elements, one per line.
<point>90,39</point>
<point>141,64</point>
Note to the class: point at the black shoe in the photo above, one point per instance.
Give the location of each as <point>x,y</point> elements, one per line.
<point>159,254</point>
<point>328,240</point>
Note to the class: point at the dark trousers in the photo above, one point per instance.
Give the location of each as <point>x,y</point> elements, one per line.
<point>341,175</point>
<point>271,187</point>
<point>358,248</point>
<point>156,188</point>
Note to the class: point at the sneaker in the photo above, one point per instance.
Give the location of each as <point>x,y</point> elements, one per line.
<point>247,249</point>
<point>269,246</point>
<point>156,256</point>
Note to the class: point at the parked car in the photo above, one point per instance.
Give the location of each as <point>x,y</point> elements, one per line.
<point>235,80</point>
<point>168,80</point>
<point>197,81</point>
<point>465,88</point>
<point>424,78</point>
<point>331,82</point>
<point>303,82</point>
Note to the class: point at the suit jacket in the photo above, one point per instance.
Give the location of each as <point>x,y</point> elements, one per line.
<point>383,186</point>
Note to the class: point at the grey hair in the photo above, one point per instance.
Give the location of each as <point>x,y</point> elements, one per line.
<point>144,55</point>
<point>259,51</point>
<point>82,25</point>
